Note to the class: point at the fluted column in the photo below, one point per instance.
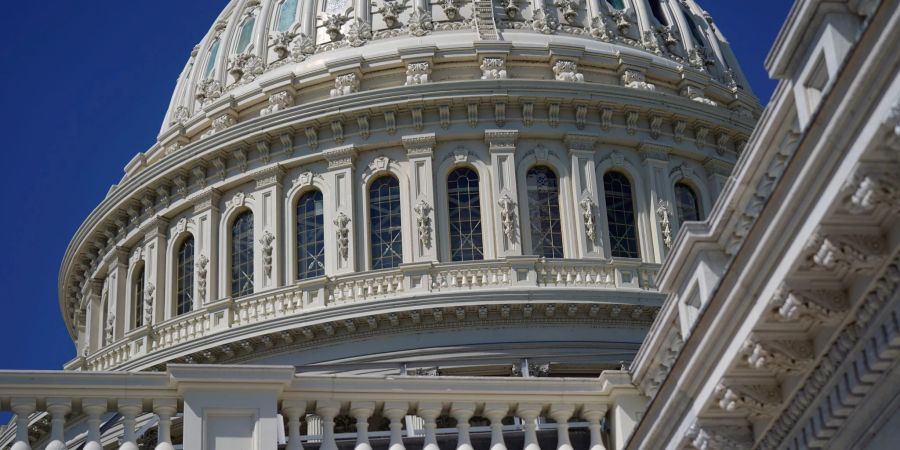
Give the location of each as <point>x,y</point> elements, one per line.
<point>361,411</point>
<point>396,411</point>
<point>495,412</point>
<point>129,408</point>
<point>593,414</point>
<point>529,413</point>
<point>23,407</point>
<point>561,414</point>
<point>429,412</point>
<point>94,408</point>
<point>58,408</point>
<point>165,409</point>
<point>328,410</point>
<point>462,412</point>
<point>294,409</point>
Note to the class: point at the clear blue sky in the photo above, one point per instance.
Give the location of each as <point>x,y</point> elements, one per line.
<point>84,88</point>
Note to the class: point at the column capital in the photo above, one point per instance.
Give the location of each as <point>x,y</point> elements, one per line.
<point>340,157</point>
<point>654,152</point>
<point>206,200</point>
<point>419,144</point>
<point>157,227</point>
<point>580,142</point>
<point>269,176</point>
<point>501,140</point>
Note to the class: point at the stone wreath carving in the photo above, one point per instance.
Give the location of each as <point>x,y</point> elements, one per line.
<point>342,223</point>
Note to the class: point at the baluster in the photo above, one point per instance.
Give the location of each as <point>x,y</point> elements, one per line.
<point>165,408</point>
<point>23,407</point>
<point>328,409</point>
<point>129,408</point>
<point>529,413</point>
<point>495,412</point>
<point>429,412</point>
<point>94,408</point>
<point>561,414</point>
<point>362,411</point>
<point>593,414</point>
<point>293,409</point>
<point>396,411</point>
<point>462,412</point>
<point>58,408</point>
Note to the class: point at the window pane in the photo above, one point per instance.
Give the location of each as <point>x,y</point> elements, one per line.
<point>657,11</point>
<point>211,59</point>
<point>242,255</point>
<point>286,15</point>
<point>137,299</point>
<point>310,236</point>
<point>686,203</point>
<point>184,295</point>
<point>384,212</point>
<point>620,215</point>
<point>543,212</point>
<point>464,215</point>
<point>617,4</point>
<point>246,35</point>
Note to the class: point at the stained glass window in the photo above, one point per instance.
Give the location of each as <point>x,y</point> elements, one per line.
<point>686,203</point>
<point>211,59</point>
<point>244,39</point>
<point>287,13</point>
<point>310,236</point>
<point>618,4</point>
<point>543,212</point>
<point>464,215</point>
<point>184,294</point>
<point>384,213</point>
<point>620,215</point>
<point>137,298</point>
<point>242,255</point>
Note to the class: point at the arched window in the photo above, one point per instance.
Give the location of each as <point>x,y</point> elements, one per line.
<point>242,255</point>
<point>211,59</point>
<point>310,236</point>
<point>464,215</point>
<point>695,30</point>
<point>384,213</point>
<point>620,215</point>
<point>137,297</point>
<point>686,203</point>
<point>657,11</point>
<point>543,212</point>
<point>617,4</point>
<point>246,35</point>
<point>184,277</point>
<point>287,13</point>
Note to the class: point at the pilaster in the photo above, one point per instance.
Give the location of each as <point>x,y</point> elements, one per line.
<point>155,244</point>
<point>718,173</point>
<point>502,148</point>
<point>420,152</point>
<point>269,229</point>
<point>655,160</point>
<point>341,252</point>
<point>206,218</point>
<point>588,239</point>
<point>117,281</point>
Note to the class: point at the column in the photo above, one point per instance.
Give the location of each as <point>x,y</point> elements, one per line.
<point>294,409</point>
<point>118,282</point>
<point>496,412</point>
<point>206,220</point>
<point>396,411</point>
<point>429,411</point>
<point>361,411</point>
<point>594,414</point>
<point>165,408</point>
<point>643,17</point>
<point>363,10</point>
<point>94,408</point>
<point>129,408</point>
<point>58,408</point>
<point>656,161</point>
<point>588,238</point>
<point>420,152</point>
<point>23,407</point>
<point>529,413</point>
<point>502,147</point>
<point>462,412</point>
<point>687,38</point>
<point>328,410</point>
<point>269,229</point>
<point>156,241</point>
<point>308,20</point>
<point>561,414</point>
<point>340,216</point>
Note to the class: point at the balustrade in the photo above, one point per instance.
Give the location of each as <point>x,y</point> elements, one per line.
<point>88,400</point>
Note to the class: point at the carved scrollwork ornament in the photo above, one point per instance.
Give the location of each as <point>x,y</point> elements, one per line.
<point>545,22</point>
<point>334,22</point>
<point>201,265</point>
<point>245,67</point>
<point>587,213</point>
<point>569,10</point>
<point>423,222</point>
<point>420,22</point>
<point>267,239</point>
<point>665,225</point>
<point>508,216</point>
<point>390,11</point>
<point>342,222</point>
<point>451,9</point>
<point>149,289</point>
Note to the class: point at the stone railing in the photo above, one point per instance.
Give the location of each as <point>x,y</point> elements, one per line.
<point>344,291</point>
<point>250,401</point>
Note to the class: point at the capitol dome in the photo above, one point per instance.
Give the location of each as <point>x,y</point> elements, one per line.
<point>469,188</point>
